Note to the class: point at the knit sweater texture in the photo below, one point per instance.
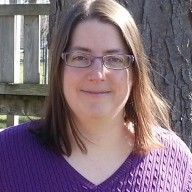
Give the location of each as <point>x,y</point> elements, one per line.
<point>28,166</point>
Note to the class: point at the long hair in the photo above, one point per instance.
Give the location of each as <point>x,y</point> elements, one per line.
<point>145,107</point>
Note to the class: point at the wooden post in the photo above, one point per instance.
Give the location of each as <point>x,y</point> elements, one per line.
<point>7,54</point>
<point>31,49</point>
<point>14,119</point>
<point>6,49</point>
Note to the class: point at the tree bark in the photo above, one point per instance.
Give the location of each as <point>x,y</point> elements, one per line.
<point>166,28</point>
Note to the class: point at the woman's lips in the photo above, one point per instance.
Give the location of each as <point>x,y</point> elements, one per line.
<point>96,93</point>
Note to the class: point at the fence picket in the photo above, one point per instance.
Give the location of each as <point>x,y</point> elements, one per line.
<point>7,54</point>
<point>7,49</point>
<point>31,49</point>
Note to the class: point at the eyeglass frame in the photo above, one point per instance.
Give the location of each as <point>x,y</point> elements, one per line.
<point>92,59</point>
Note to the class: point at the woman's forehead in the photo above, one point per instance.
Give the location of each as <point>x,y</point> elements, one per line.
<point>96,35</point>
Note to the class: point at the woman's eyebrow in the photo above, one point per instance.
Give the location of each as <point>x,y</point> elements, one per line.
<point>111,51</point>
<point>78,48</point>
<point>108,51</point>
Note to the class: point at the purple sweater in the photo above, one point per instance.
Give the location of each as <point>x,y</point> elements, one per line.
<point>28,166</point>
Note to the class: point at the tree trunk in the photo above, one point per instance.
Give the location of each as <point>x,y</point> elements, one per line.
<point>166,28</point>
<point>166,31</point>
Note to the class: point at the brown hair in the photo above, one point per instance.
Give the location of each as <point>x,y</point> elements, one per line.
<point>145,108</point>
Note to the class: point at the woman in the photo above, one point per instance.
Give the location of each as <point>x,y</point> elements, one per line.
<point>103,126</point>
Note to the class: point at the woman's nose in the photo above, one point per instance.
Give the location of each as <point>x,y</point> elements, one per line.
<point>97,70</point>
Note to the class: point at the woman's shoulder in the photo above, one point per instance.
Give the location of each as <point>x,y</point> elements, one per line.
<point>171,139</point>
<point>18,134</point>
<point>172,161</point>
<point>175,153</point>
<point>172,142</point>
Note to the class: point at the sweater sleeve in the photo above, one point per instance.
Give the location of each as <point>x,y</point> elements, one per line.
<point>188,185</point>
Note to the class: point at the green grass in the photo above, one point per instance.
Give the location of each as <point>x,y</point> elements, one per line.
<point>3,119</point>
<point>22,119</point>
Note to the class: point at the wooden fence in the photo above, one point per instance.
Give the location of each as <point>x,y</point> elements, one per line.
<point>24,98</point>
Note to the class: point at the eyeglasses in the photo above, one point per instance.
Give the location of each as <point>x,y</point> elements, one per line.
<point>83,60</point>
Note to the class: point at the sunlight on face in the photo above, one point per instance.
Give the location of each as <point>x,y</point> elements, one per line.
<point>96,91</point>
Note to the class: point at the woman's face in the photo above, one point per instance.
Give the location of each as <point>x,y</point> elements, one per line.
<point>97,92</point>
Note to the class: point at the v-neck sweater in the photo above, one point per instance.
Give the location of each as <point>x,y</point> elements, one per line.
<point>28,166</point>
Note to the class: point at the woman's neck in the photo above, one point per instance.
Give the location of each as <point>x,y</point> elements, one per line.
<point>104,135</point>
<point>107,148</point>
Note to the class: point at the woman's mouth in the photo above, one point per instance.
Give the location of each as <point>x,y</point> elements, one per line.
<point>96,92</point>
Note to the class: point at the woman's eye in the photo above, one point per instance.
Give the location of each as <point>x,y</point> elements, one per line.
<point>115,60</point>
<point>80,58</point>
